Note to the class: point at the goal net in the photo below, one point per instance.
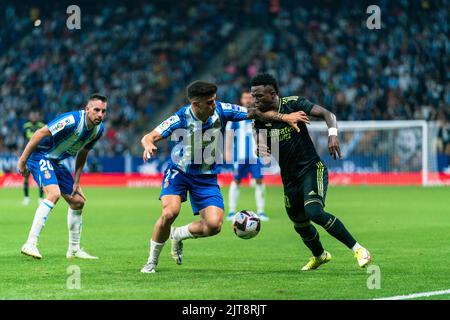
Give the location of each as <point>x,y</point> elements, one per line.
<point>382,152</point>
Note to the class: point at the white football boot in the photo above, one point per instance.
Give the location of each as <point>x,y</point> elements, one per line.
<point>31,250</point>
<point>80,254</point>
<point>149,267</point>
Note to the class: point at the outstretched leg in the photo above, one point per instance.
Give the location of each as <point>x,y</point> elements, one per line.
<point>336,228</point>
<point>314,188</point>
<point>209,225</point>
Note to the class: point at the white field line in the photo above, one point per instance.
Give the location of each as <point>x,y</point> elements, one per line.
<point>416,295</point>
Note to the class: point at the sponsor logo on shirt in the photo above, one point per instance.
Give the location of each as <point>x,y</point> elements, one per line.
<point>61,124</point>
<point>167,123</point>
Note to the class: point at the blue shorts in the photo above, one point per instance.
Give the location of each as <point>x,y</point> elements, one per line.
<point>241,171</point>
<point>203,189</point>
<point>46,172</point>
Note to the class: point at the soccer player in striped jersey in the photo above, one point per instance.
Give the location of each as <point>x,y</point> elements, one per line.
<point>29,128</point>
<point>198,128</point>
<point>304,176</point>
<point>70,134</point>
<point>239,144</point>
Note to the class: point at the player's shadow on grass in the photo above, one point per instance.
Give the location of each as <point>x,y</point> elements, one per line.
<point>295,271</point>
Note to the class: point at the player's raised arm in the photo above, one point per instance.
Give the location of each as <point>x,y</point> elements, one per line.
<point>30,147</point>
<point>273,116</point>
<point>330,119</point>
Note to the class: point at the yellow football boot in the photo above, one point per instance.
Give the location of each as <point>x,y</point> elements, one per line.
<point>315,262</point>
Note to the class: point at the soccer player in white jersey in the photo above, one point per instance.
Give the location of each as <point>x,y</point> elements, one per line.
<point>70,134</point>
<point>240,148</point>
<point>199,128</point>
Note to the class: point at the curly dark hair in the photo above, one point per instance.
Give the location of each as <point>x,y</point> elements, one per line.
<point>265,79</point>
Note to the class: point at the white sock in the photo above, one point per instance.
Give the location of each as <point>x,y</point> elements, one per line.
<point>356,247</point>
<point>40,217</point>
<point>155,250</point>
<point>74,223</point>
<point>259,196</point>
<point>181,233</point>
<point>233,196</point>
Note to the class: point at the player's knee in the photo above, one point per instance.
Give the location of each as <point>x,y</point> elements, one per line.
<point>169,214</point>
<point>77,203</point>
<point>214,226</point>
<point>314,211</point>
<point>53,195</point>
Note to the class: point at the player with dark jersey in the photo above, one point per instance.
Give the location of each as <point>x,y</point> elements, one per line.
<point>29,128</point>
<point>304,175</point>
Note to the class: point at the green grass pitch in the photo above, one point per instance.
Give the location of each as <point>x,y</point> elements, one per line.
<point>405,228</point>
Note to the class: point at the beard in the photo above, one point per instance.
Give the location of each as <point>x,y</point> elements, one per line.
<point>264,107</point>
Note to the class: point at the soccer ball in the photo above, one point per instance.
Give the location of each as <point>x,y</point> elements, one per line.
<point>246,224</point>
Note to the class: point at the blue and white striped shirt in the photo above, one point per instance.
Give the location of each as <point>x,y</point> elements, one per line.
<point>200,145</point>
<point>244,142</point>
<point>69,135</point>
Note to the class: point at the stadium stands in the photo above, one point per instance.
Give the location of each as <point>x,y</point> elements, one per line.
<point>142,55</point>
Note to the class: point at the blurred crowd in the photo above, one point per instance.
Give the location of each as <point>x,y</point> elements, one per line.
<point>328,54</point>
<point>140,55</point>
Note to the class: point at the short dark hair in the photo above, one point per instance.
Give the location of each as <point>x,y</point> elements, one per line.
<point>98,96</point>
<point>265,79</point>
<point>200,89</point>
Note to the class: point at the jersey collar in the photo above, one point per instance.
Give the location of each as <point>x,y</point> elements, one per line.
<point>197,119</point>
<point>84,116</point>
<point>193,114</point>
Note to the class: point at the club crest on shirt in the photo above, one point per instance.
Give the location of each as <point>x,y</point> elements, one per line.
<point>47,174</point>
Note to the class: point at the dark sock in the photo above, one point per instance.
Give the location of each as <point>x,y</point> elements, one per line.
<point>340,232</point>
<point>25,188</point>
<point>311,239</point>
<point>330,223</point>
